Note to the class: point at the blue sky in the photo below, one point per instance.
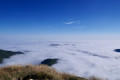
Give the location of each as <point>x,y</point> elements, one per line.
<point>59,18</point>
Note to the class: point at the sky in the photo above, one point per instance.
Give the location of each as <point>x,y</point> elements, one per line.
<point>71,18</point>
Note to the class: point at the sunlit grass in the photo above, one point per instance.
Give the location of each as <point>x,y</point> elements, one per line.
<point>42,72</point>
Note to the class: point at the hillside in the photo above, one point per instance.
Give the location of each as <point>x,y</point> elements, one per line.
<point>7,54</point>
<point>30,72</point>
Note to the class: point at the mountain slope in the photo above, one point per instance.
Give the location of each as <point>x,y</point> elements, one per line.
<point>7,54</point>
<point>41,72</point>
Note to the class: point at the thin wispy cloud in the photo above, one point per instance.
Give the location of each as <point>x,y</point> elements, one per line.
<point>73,22</point>
<point>69,22</point>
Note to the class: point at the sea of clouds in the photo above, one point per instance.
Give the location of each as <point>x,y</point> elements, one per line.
<point>83,58</point>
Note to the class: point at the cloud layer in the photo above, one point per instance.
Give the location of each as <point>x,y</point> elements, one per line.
<point>83,58</point>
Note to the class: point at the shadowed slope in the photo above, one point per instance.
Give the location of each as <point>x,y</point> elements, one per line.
<point>49,62</point>
<point>7,54</point>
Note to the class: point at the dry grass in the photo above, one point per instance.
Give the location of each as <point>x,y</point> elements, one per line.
<point>42,72</point>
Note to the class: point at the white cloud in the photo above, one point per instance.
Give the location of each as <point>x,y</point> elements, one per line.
<point>73,22</point>
<point>83,58</point>
<point>69,22</point>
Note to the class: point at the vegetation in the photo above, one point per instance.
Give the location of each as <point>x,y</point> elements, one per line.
<point>117,50</point>
<point>30,72</point>
<point>49,62</point>
<point>7,54</point>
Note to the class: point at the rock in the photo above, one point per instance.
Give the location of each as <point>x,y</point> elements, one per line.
<point>30,77</point>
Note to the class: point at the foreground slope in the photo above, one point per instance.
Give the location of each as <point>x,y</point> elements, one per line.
<point>41,72</point>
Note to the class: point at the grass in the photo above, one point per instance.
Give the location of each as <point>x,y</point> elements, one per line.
<point>42,72</point>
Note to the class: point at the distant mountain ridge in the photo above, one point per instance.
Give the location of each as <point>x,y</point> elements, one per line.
<point>7,54</point>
